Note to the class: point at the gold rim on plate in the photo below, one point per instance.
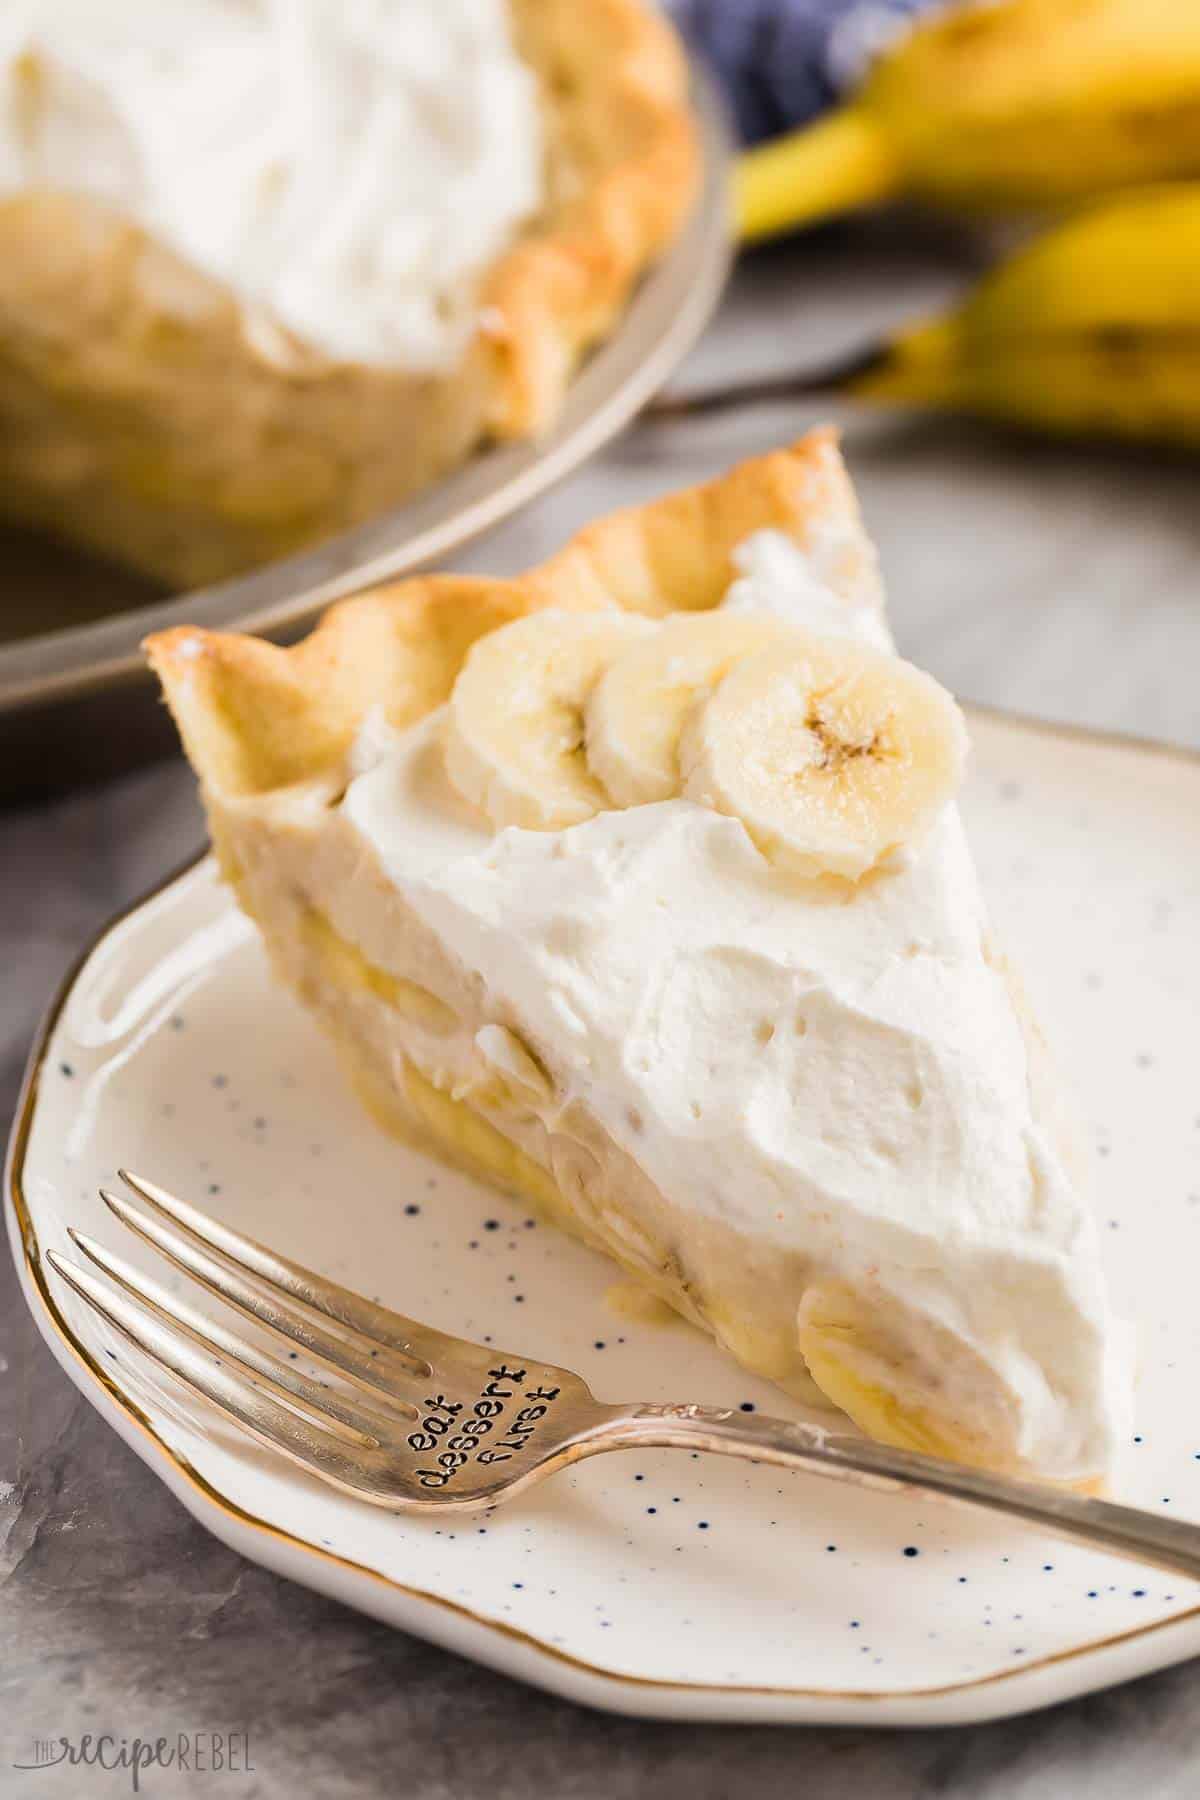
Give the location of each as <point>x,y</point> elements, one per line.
<point>25,1234</point>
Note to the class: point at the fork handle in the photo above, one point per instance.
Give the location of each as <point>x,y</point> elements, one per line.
<point>1130,1531</point>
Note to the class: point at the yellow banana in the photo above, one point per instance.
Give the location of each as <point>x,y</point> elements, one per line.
<point>1092,328</point>
<point>1010,103</point>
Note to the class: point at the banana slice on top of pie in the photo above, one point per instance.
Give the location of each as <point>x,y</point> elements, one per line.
<point>637,886</point>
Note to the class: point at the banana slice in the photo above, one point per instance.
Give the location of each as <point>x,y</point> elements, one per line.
<point>832,755</point>
<point>637,709</point>
<point>513,742</point>
<point>888,1392</point>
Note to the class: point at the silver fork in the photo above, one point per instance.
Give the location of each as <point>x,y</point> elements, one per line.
<point>422,1421</point>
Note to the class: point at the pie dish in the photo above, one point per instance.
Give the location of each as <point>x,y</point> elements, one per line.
<point>718,994</point>
<point>160,411</point>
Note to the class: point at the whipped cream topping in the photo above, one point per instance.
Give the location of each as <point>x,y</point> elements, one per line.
<point>345,166</point>
<point>804,586</point>
<point>839,1074</point>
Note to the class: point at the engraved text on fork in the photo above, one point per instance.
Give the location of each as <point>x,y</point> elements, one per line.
<point>490,1432</point>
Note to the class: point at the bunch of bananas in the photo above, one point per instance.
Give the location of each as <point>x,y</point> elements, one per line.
<point>1092,329</point>
<point>1012,103</point>
<point>1030,103</point>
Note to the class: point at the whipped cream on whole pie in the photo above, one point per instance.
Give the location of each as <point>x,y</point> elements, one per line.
<point>670,924</point>
<point>348,168</point>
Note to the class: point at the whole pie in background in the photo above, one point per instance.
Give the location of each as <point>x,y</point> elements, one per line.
<point>266,271</point>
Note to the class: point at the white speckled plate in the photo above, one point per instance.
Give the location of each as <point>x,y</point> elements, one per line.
<point>658,1583</point>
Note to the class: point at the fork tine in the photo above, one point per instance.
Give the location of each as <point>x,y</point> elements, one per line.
<point>378,1368</point>
<point>206,1372</point>
<point>378,1323</point>
<point>360,1418</point>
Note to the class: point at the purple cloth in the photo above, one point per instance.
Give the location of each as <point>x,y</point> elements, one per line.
<point>783,61</point>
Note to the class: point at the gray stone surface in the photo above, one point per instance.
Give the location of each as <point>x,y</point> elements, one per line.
<point>1060,581</point>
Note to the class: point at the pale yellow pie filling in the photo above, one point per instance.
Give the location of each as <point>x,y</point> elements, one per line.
<point>836,1337</point>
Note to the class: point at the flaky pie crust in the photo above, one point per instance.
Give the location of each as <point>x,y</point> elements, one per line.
<point>255,717</point>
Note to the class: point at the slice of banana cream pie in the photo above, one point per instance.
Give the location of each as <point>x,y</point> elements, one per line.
<point>637,885</point>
